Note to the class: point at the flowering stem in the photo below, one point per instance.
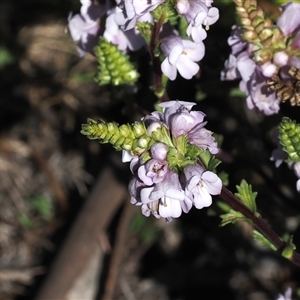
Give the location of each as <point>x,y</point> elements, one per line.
<point>159,89</point>
<point>259,223</point>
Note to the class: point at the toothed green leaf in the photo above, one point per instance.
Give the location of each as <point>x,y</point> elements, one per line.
<point>246,195</point>
<point>263,240</point>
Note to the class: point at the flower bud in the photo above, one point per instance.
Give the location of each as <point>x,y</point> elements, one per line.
<point>280,58</point>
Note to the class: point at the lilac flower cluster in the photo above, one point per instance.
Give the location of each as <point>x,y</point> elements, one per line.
<point>254,64</point>
<point>167,181</point>
<point>181,54</point>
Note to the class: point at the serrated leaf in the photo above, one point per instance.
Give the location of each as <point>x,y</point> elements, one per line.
<point>263,240</point>
<point>232,217</point>
<point>246,195</point>
<point>209,160</point>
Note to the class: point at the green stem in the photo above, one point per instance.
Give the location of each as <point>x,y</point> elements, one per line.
<point>158,83</point>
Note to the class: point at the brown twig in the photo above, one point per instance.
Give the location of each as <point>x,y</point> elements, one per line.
<point>82,240</point>
<point>118,251</point>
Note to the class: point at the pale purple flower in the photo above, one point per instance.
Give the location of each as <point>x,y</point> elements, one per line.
<point>287,295</point>
<point>129,11</point>
<point>168,197</point>
<point>84,27</point>
<point>258,94</point>
<point>197,14</point>
<point>130,39</point>
<point>289,20</point>
<point>201,185</point>
<point>155,169</point>
<point>181,120</point>
<point>181,55</point>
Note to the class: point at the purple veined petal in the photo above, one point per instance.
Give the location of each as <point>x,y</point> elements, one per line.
<point>289,20</point>
<point>212,182</point>
<point>186,104</point>
<point>187,68</point>
<point>181,124</point>
<point>199,116</point>
<point>169,70</point>
<point>170,208</point>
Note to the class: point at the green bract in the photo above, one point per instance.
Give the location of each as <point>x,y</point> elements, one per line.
<point>114,66</point>
<point>289,136</point>
<point>133,138</point>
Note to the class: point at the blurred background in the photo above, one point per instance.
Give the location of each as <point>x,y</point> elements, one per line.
<point>67,230</point>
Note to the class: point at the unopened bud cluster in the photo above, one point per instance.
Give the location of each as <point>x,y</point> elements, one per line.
<point>263,50</point>
<point>133,138</point>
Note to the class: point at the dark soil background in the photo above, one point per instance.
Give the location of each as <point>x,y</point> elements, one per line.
<point>48,172</point>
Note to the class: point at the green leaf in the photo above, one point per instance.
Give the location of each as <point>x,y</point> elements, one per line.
<point>263,240</point>
<point>5,58</point>
<point>25,221</point>
<point>289,248</point>
<point>43,206</point>
<point>232,217</point>
<point>247,196</point>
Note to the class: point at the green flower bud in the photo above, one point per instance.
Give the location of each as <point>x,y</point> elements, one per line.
<point>114,66</point>
<point>289,136</point>
<point>138,129</point>
<point>143,141</point>
<point>121,137</point>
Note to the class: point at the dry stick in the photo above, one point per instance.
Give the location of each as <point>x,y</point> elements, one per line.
<point>258,223</point>
<point>105,199</point>
<point>118,251</point>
